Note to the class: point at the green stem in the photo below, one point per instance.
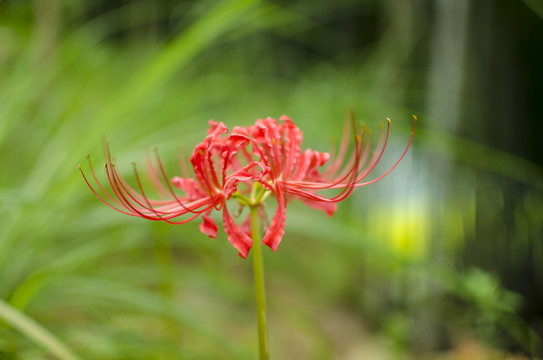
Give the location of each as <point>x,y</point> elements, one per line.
<point>259,285</point>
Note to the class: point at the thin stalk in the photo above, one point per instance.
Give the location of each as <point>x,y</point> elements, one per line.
<point>260,293</point>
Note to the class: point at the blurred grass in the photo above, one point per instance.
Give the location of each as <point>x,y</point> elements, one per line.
<point>112,287</point>
<point>34,331</point>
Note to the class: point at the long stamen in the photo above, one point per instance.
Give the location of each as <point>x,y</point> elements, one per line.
<point>98,182</point>
<point>161,190</point>
<point>166,180</point>
<point>397,162</point>
<point>350,173</point>
<point>140,187</point>
<point>373,163</point>
<point>296,188</point>
<point>139,198</point>
<point>124,192</point>
<point>336,164</point>
<point>167,215</point>
<point>98,196</point>
<point>113,183</point>
<point>183,164</point>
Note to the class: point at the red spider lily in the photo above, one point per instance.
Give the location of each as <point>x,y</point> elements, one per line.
<point>249,164</point>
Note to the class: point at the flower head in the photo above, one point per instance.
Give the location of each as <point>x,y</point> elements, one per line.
<point>248,164</point>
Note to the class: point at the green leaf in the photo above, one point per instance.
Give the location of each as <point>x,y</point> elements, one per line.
<point>35,332</point>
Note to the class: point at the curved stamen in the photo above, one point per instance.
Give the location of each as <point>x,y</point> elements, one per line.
<point>167,181</point>
<point>397,162</point>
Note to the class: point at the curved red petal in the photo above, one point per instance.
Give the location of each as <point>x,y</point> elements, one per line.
<point>208,227</point>
<point>293,137</point>
<point>236,236</point>
<point>189,186</point>
<point>275,232</point>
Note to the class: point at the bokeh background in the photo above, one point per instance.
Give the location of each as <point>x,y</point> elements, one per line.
<point>442,259</point>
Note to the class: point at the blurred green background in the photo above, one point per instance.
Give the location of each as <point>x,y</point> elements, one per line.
<point>442,259</point>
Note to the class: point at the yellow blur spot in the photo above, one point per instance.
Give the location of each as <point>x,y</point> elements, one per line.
<point>404,231</point>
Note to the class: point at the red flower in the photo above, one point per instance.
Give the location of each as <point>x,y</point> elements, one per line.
<point>249,164</point>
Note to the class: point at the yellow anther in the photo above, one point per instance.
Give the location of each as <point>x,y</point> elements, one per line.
<point>415,118</point>
<point>388,119</point>
<point>79,167</point>
<point>357,138</point>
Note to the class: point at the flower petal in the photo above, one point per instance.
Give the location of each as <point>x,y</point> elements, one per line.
<point>236,236</point>
<point>246,225</point>
<point>189,186</point>
<point>275,232</point>
<point>293,137</point>
<point>208,226</point>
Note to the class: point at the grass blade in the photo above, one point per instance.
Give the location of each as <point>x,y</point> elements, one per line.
<point>35,332</point>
